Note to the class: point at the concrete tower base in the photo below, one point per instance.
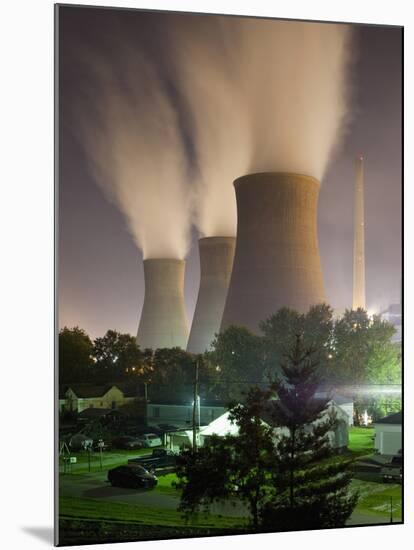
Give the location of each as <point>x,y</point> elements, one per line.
<point>277,260</point>
<point>163,321</point>
<point>216,261</point>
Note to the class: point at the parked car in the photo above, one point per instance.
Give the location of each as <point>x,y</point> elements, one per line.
<point>150,440</point>
<point>393,471</point>
<point>159,458</point>
<point>132,476</point>
<point>127,442</point>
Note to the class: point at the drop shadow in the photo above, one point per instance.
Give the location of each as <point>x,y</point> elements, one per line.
<point>44,534</point>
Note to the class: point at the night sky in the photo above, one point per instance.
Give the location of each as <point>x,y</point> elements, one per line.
<point>100,268</point>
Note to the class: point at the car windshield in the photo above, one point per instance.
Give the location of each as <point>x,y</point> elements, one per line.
<point>138,469</point>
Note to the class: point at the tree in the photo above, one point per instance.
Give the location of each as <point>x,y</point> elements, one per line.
<point>309,489</point>
<point>237,356</point>
<point>231,466</point>
<point>75,355</point>
<point>253,450</point>
<point>364,352</point>
<point>172,370</point>
<point>117,357</point>
<point>281,329</point>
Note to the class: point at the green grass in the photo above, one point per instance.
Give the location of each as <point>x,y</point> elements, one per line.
<point>361,440</point>
<point>88,508</point>
<point>110,459</point>
<point>375,498</point>
<point>164,484</point>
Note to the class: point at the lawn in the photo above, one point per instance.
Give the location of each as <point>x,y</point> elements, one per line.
<point>88,508</point>
<point>110,459</point>
<point>376,498</point>
<point>164,484</point>
<point>361,440</point>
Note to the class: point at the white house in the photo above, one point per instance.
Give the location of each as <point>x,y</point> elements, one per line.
<point>345,403</point>
<point>223,426</point>
<point>388,434</point>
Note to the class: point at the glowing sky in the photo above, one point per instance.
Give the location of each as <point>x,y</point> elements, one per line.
<point>100,267</point>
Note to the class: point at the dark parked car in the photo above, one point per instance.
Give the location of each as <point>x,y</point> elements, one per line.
<point>127,442</point>
<point>132,476</point>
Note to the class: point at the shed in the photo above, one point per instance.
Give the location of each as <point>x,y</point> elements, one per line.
<point>388,434</point>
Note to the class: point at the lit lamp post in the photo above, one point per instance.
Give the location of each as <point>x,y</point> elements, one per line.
<point>196,404</point>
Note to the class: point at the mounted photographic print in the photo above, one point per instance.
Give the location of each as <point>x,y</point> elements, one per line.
<point>229,275</point>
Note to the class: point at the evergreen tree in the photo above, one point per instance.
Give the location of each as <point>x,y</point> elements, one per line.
<point>310,487</point>
<point>234,466</point>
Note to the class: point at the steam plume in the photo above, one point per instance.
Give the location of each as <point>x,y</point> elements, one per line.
<point>131,134</point>
<point>263,96</point>
<point>202,62</point>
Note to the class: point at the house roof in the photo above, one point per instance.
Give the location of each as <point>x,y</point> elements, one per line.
<point>223,425</point>
<point>85,391</point>
<point>395,418</point>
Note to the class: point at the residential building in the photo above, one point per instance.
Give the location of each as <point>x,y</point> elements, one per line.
<point>78,397</point>
<point>388,434</point>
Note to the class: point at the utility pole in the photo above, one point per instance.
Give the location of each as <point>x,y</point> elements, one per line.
<point>195,403</point>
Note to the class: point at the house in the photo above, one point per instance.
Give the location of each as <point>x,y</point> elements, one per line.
<point>388,434</point>
<point>345,403</point>
<point>180,414</point>
<point>223,426</point>
<point>78,397</point>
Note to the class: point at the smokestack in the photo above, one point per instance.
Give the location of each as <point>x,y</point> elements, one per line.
<point>216,261</point>
<point>358,297</point>
<point>277,260</point>
<point>163,321</point>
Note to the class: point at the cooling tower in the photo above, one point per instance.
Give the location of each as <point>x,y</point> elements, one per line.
<point>276,261</point>
<point>163,321</point>
<point>216,261</point>
<point>358,292</point>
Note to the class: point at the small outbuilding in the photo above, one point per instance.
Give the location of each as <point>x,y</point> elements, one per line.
<point>388,434</point>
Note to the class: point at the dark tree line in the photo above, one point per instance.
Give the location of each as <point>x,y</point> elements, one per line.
<point>351,350</point>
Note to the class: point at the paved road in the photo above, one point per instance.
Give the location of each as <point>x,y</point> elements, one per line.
<point>96,486</point>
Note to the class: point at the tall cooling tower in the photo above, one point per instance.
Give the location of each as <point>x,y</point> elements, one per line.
<point>163,321</point>
<point>277,260</point>
<point>216,261</point>
<point>358,292</point>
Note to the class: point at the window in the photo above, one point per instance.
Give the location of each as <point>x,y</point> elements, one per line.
<point>113,405</point>
<point>156,412</point>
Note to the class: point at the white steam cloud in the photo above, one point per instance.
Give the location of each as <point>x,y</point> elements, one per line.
<point>131,135</point>
<point>263,95</point>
